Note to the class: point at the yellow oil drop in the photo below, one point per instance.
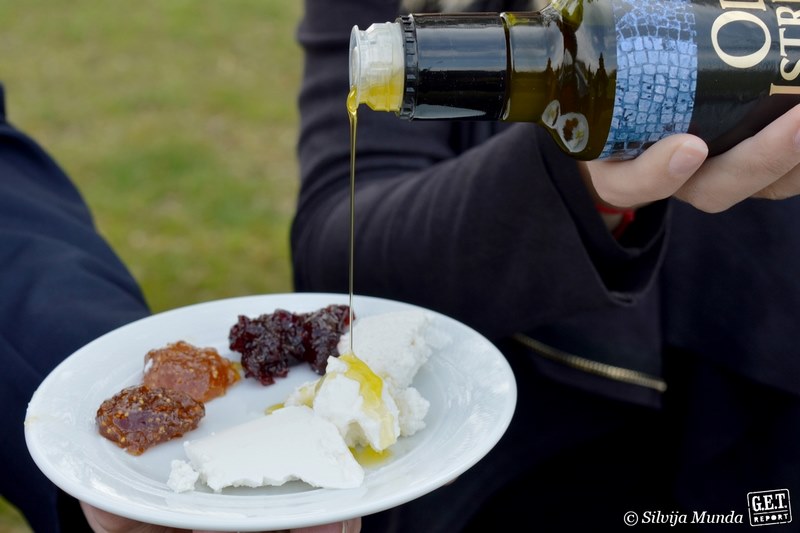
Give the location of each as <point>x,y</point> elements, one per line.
<point>272,408</point>
<point>370,383</point>
<point>367,456</point>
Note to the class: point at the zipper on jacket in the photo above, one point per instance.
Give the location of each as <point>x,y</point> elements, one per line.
<point>625,375</point>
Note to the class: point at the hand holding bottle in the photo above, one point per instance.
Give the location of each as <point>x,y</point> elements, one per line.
<point>762,166</point>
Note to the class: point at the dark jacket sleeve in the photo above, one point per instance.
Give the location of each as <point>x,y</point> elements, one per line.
<point>489,224</point>
<point>60,287</point>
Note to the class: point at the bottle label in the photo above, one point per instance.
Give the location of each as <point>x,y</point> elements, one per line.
<point>720,69</point>
<point>656,74</point>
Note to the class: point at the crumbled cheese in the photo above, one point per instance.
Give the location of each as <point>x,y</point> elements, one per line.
<point>302,395</point>
<point>412,408</point>
<point>182,477</point>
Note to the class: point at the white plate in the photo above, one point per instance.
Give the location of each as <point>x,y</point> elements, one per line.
<point>469,384</point>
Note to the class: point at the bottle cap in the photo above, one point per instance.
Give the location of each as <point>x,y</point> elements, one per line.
<point>377,65</point>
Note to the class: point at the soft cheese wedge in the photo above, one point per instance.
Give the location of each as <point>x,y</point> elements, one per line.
<point>394,345</point>
<point>292,443</point>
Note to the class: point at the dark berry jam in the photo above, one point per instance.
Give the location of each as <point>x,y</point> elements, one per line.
<point>272,342</point>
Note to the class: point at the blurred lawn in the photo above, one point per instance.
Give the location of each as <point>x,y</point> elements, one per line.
<point>178,121</point>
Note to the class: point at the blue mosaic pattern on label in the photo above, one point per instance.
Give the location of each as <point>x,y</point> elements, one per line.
<point>656,74</point>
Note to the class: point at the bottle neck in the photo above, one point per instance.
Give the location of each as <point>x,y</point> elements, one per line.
<point>457,66</point>
<point>536,52</point>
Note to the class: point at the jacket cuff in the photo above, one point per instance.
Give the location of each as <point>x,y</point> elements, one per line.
<point>626,266</point>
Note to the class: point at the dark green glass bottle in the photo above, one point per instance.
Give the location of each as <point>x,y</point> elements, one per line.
<point>607,78</point>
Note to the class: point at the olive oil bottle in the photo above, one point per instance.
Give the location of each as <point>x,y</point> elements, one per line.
<point>607,78</point>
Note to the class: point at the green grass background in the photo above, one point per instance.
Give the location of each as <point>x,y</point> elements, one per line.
<point>177,120</point>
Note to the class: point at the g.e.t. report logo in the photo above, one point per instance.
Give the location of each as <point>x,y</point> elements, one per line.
<point>769,507</point>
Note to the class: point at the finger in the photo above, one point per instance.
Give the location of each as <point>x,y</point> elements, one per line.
<point>350,526</point>
<point>786,187</point>
<point>656,174</point>
<point>104,522</point>
<point>756,166</point>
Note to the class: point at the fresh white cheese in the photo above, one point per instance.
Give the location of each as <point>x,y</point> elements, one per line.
<point>292,443</point>
<point>394,345</point>
<point>358,403</point>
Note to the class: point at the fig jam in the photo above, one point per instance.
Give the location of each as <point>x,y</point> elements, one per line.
<point>199,372</point>
<point>139,417</point>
